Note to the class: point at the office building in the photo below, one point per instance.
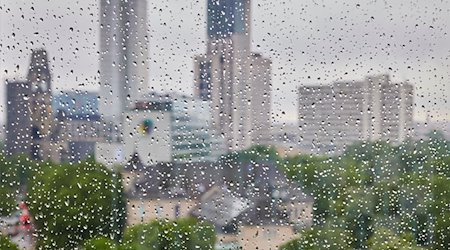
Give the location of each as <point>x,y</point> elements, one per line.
<point>18,116</point>
<point>123,58</point>
<point>225,75</point>
<point>76,103</point>
<point>147,132</point>
<point>260,94</point>
<point>334,116</point>
<point>193,137</point>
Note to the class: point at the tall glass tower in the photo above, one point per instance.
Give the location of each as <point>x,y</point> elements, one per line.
<point>234,80</point>
<point>123,56</point>
<point>227,17</point>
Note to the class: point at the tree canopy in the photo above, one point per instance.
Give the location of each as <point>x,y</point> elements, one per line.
<point>181,234</point>
<point>75,202</point>
<point>375,191</point>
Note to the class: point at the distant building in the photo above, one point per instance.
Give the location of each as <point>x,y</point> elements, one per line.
<point>29,112</point>
<point>39,78</point>
<point>18,116</point>
<point>77,135</point>
<point>193,136</point>
<point>285,138</point>
<point>235,81</point>
<point>334,116</point>
<point>123,57</point>
<point>260,92</point>
<point>262,210</point>
<point>146,131</point>
<point>79,126</point>
<point>61,128</point>
<point>76,103</point>
<point>124,70</point>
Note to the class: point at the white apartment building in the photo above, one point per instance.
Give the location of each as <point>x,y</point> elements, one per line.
<point>334,116</point>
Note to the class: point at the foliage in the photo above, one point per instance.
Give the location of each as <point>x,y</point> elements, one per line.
<point>254,154</point>
<point>185,233</point>
<point>7,202</point>
<point>14,172</point>
<point>100,243</point>
<point>384,238</point>
<point>74,202</point>
<point>7,244</point>
<point>375,191</point>
<point>320,238</point>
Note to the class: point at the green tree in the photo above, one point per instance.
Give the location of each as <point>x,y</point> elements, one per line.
<point>185,233</point>
<point>14,173</point>
<point>320,239</point>
<point>72,203</point>
<point>441,212</point>
<point>7,244</point>
<point>385,239</point>
<point>8,202</point>
<point>100,243</point>
<point>255,154</point>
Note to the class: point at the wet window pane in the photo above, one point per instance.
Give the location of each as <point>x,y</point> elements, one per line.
<point>224,124</point>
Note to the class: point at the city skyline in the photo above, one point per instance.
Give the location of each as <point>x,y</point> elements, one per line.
<point>381,43</point>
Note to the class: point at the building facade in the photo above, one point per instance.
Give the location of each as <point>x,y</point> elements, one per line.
<point>18,116</point>
<point>260,93</point>
<point>30,115</point>
<point>123,57</point>
<point>334,116</point>
<point>193,137</point>
<point>264,213</point>
<point>39,78</point>
<point>76,103</point>
<point>223,75</point>
<point>147,131</point>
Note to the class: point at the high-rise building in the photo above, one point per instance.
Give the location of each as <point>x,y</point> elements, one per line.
<point>18,116</point>
<point>30,116</point>
<point>260,94</point>
<point>123,57</point>
<point>332,117</point>
<point>223,75</point>
<point>39,78</point>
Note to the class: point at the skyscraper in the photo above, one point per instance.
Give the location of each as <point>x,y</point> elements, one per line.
<point>123,56</point>
<point>222,76</point>
<point>39,78</point>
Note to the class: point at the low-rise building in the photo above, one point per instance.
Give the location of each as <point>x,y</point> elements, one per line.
<point>263,210</point>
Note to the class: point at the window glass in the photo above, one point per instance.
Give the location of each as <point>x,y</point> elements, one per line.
<point>224,124</point>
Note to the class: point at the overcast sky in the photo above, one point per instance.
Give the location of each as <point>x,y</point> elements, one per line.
<point>309,42</point>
